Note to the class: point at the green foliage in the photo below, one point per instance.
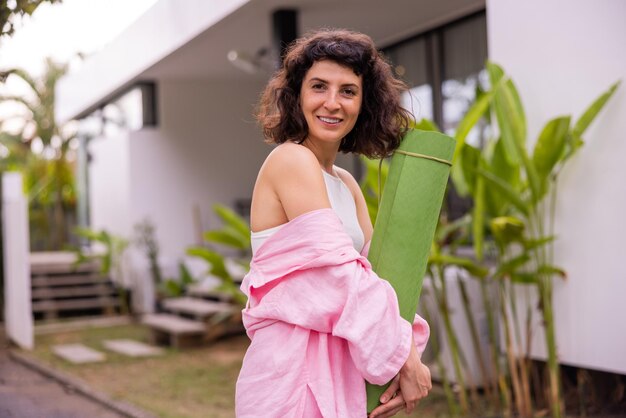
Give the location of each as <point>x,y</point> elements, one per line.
<point>109,260</point>
<point>177,287</point>
<point>145,232</point>
<point>376,172</point>
<point>234,234</point>
<point>114,247</point>
<point>8,12</point>
<point>509,187</point>
<point>49,176</point>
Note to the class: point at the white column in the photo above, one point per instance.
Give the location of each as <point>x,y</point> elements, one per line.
<point>18,312</point>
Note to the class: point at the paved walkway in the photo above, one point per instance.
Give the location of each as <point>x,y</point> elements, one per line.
<point>25,393</point>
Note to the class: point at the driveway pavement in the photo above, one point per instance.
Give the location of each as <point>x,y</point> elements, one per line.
<point>25,393</point>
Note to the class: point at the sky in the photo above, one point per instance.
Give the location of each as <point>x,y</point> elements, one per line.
<point>62,30</point>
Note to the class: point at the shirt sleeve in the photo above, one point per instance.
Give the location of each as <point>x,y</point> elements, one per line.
<point>348,301</point>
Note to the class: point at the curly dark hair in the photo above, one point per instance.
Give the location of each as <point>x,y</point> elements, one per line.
<point>381,122</point>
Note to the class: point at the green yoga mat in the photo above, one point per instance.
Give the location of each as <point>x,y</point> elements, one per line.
<point>407,218</point>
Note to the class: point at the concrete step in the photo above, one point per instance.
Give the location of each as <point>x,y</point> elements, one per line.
<point>58,262</point>
<point>196,308</point>
<point>174,331</point>
<point>173,324</point>
<point>72,292</point>
<point>68,280</point>
<point>75,304</point>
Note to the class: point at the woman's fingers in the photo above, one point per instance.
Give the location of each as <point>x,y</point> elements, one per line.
<point>390,408</point>
<point>391,390</point>
<point>392,412</point>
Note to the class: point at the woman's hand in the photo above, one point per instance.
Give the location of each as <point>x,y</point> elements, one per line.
<point>410,385</point>
<point>392,401</point>
<point>414,380</point>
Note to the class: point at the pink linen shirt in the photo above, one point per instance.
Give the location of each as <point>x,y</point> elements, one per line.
<point>321,322</point>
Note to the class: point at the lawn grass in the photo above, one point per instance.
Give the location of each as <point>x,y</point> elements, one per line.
<point>192,383</point>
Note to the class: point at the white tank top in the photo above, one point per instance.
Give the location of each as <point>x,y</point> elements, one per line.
<point>342,202</point>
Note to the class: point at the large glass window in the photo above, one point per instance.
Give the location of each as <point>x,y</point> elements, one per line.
<point>444,68</point>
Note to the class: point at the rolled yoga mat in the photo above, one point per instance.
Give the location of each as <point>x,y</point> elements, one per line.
<point>407,218</point>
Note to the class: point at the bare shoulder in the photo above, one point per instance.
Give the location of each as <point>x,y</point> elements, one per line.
<point>293,173</point>
<point>291,158</point>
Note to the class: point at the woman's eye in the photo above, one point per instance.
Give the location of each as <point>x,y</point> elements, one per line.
<point>318,86</point>
<point>349,92</point>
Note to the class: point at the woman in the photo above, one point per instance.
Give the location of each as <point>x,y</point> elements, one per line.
<point>321,322</point>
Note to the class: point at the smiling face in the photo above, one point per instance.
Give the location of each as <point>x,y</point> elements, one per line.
<point>330,99</point>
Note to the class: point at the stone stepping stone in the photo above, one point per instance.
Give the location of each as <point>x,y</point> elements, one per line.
<point>132,348</point>
<point>78,353</point>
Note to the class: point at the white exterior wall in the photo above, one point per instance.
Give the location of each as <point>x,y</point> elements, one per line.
<point>206,150</point>
<point>108,183</point>
<point>562,55</point>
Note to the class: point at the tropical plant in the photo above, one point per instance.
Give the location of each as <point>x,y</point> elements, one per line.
<point>9,10</point>
<point>177,287</point>
<point>145,239</point>
<point>109,260</point>
<point>235,234</point>
<point>514,195</point>
<point>49,175</point>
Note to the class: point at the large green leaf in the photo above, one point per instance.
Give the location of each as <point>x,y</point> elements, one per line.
<point>447,229</point>
<point>507,229</point>
<point>425,125</point>
<point>592,111</point>
<point>552,270</point>
<point>531,244</point>
<point>471,118</point>
<point>233,220</point>
<point>550,147</point>
<point>216,261</point>
<point>496,202</point>
<point>472,267</point>
<point>470,156</point>
<point>509,121</point>
<point>229,237</point>
<point>478,216</point>
<point>510,194</point>
<point>511,266</point>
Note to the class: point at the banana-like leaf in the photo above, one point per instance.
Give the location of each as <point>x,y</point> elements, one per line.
<point>503,169</point>
<point>473,268</point>
<point>592,111</point>
<point>511,195</point>
<point>550,147</point>
<point>471,118</point>
<point>444,230</point>
<point>229,237</point>
<point>425,125</point>
<point>216,261</point>
<point>478,216</point>
<point>510,267</point>
<point>503,108</point>
<point>531,244</point>
<point>524,278</point>
<point>185,276</point>
<point>552,270</point>
<point>507,229</point>
<point>233,220</point>
<point>470,156</point>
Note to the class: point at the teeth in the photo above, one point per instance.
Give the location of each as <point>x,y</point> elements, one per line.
<point>329,120</point>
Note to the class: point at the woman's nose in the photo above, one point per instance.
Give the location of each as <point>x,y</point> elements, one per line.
<point>331,102</point>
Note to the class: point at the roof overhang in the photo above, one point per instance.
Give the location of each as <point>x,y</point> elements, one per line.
<point>191,40</point>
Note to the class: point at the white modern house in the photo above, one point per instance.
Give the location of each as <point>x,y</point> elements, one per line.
<point>186,76</point>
